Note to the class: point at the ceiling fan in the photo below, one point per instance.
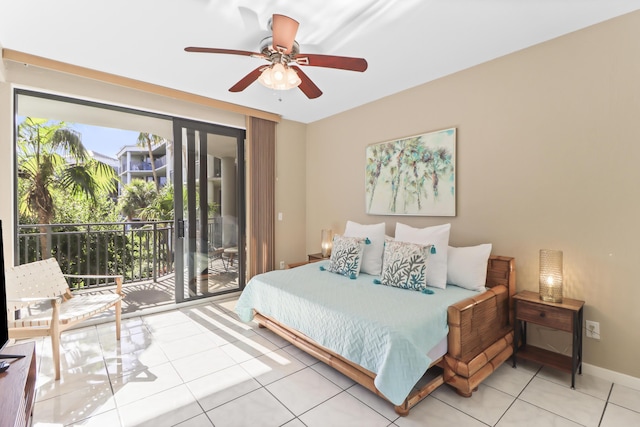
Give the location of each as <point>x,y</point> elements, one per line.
<point>282,50</point>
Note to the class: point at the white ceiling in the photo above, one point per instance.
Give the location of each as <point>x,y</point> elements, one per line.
<point>406,42</point>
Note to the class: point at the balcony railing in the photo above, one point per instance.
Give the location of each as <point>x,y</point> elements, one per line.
<point>140,166</point>
<point>139,250</point>
<point>160,162</point>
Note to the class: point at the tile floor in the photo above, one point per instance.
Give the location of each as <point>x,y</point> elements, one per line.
<point>199,366</point>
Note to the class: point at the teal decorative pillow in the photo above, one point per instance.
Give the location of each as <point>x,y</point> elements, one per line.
<point>346,256</point>
<point>405,265</point>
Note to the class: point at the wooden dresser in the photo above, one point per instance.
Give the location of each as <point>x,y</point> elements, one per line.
<point>17,386</point>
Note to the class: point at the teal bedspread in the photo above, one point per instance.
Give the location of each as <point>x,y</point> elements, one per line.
<point>386,330</point>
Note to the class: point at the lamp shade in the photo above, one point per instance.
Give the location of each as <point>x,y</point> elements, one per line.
<point>279,77</point>
<point>326,242</point>
<point>551,275</point>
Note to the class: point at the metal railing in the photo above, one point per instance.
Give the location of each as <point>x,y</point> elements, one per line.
<point>138,250</point>
<point>139,166</point>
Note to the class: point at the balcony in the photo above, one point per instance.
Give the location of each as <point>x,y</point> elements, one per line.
<point>141,251</point>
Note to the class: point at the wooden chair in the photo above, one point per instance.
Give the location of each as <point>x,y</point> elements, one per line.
<point>31,285</point>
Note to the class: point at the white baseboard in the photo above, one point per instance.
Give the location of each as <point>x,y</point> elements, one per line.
<point>613,376</point>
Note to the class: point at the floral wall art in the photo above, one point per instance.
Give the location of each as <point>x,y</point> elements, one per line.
<point>412,176</point>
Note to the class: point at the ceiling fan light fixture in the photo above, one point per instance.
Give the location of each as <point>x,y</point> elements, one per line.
<point>278,73</point>
<point>279,77</point>
<point>292,78</point>
<point>265,77</point>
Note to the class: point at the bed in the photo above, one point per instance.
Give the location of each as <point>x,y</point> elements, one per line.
<point>382,337</point>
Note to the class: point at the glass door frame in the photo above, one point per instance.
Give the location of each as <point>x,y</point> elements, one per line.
<point>191,127</point>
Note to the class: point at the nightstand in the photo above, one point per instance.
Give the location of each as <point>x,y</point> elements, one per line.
<point>316,257</point>
<point>311,258</point>
<point>565,316</point>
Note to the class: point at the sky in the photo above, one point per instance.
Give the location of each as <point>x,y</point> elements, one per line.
<point>103,140</point>
<point>107,141</point>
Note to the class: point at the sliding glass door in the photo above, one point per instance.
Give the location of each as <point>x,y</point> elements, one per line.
<point>209,209</point>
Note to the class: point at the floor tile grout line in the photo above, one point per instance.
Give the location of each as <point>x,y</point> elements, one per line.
<point>458,409</point>
<point>106,367</point>
<point>198,403</point>
<point>606,404</point>
<point>519,394</point>
<point>282,403</point>
<point>563,384</point>
<point>547,410</point>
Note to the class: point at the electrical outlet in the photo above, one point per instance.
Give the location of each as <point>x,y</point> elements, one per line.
<point>281,265</point>
<point>593,329</point>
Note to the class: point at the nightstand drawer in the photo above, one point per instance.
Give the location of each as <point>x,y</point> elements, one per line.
<point>545,315</point>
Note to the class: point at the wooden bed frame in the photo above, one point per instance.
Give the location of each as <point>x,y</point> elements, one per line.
<point>480,339</point>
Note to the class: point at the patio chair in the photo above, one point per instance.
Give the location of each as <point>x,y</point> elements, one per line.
<point>215,254</point>
<point>31,285</point>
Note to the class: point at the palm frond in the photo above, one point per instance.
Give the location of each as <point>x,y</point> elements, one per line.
<point>70,141</point>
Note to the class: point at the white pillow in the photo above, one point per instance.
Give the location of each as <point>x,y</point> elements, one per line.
<point>372,255</point>
<point>467,267</point>
<point>438,236</point>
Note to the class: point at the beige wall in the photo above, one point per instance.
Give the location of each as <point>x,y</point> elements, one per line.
<point>548,156</point>
<point>290,192</point>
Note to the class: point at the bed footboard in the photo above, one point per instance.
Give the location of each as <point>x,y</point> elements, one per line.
<point>481,330</point>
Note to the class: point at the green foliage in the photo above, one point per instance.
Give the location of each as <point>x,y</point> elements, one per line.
<point>136,196</point>
<point>214,209</point>
<point>161,207</point>
<point>51,156</point>
<point>73,210</point>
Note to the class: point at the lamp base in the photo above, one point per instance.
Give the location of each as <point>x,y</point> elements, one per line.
<point>551,294</point>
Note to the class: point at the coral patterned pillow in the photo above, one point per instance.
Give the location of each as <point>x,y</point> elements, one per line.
<point>346,256</point>
<point>405,265</point>
<point>438,236</point>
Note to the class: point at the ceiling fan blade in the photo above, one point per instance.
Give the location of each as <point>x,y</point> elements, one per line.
<point>284,33</point>
<point>227,51</point>
<point>307,87</point>
<point>330,61</point>
<point>246,80</point>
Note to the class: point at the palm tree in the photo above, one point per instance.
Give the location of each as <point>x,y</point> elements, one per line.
<point>379,158</point>
<point>441,164</point>
<point>149,140</point>
<point>161,207</point>
<point>136,196</point>
<point>51,155</point>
